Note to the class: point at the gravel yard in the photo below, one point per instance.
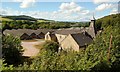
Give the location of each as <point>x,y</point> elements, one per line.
<point>30,47</point>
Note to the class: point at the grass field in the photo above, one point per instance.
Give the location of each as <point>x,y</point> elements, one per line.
<point>5,19</point>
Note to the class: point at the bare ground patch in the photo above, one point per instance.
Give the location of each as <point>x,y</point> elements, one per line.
<point>31,47</point>
<point>29,40</point>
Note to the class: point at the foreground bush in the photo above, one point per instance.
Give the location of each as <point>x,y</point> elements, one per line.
<point>11,50</point>
<point>51,45</point>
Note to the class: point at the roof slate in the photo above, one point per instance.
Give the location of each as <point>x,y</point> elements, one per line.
<point>70,31</point>
<point>82,39</point>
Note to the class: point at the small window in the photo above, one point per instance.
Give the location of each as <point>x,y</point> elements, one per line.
<point>60,36</point>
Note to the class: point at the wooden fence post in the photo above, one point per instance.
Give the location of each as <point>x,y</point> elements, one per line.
<point>110,46</point>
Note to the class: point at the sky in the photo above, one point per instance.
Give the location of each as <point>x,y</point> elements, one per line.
<point>60,10</point>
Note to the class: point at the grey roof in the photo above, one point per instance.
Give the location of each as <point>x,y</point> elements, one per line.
<point>45,30</point>
<point>27,31</point>
<point>82,39</point>
<point>20,32</point>
<point>68,31</point>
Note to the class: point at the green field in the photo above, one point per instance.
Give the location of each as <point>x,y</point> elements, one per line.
<point>5,19</point>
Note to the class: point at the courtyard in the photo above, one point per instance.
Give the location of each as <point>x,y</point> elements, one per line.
<point>30,47</point>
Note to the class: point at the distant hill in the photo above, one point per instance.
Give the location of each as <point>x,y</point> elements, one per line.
<point>23,17</point>
<point>5,19</point>
<point>44,20</point>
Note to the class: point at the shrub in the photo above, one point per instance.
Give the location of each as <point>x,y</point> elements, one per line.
<point>11,50</point>
<point>51,45</point>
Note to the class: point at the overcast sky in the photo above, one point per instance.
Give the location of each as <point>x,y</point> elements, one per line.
<point>61,10</point>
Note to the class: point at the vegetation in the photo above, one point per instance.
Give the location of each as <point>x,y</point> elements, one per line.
<point>50,45</point>
<point>20,24</point>
<point>26,22</point>
<point>5,19</point>
<point>21,17</point>
<point>11,50</point>
<point>102,54</point>
<point>106,21</point>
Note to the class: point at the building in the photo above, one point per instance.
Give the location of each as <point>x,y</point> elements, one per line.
<point>92,30</point>
<point>51,37</point>
<point>33,36</point>
<point>41,35</point>
<point>24,36</point>
<point>74,39</point>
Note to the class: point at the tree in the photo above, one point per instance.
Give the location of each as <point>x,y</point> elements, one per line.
<point>51,45</point>
<point>11,50</point>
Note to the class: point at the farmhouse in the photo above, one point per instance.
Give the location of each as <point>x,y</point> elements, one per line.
<point>51,37</point>
<point>33,36</point>
<point>26,34</point>
<point>41,35</point>
<point>73,39</point>
<point>76,41</point>
<point>70,39</point>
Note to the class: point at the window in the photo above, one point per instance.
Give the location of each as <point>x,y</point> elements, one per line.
<point>60,37</point>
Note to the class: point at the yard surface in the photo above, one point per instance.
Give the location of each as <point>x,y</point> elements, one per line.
<point>30,47</point>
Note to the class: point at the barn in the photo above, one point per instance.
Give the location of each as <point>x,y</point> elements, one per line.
<point>41,35</point>
<point>24,36</point>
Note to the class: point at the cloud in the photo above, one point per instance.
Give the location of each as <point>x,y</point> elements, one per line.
<point>100,1</point>
<point>72,8</point>
<point>103,6</point>
<point>73,11</point>
<point>26,3</point>
<point>114,11</point>
<point>66,12</point>
<point>69,6</point>
<point>9,11</point>
<point>103,1</point>
<point>17,0</point>
<point>3,12</point>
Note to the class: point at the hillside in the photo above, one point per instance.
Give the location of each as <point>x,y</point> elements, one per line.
<point>27,22</point>
<point>44,20</point>
<point>110,20</point>
<point>22,17</point>
<point>5,19</point>
<point>105,50</point>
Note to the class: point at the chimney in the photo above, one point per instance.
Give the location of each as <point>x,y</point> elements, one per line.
<point>92,30</point>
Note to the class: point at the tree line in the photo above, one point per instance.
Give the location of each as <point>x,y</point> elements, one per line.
<point>25,24</point>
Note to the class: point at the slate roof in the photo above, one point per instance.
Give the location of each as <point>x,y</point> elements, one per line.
<point>82,39</point>
<point>44,30</point>
<point>68,31</point>
<point>20,32</point>
<point>75,33</point>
